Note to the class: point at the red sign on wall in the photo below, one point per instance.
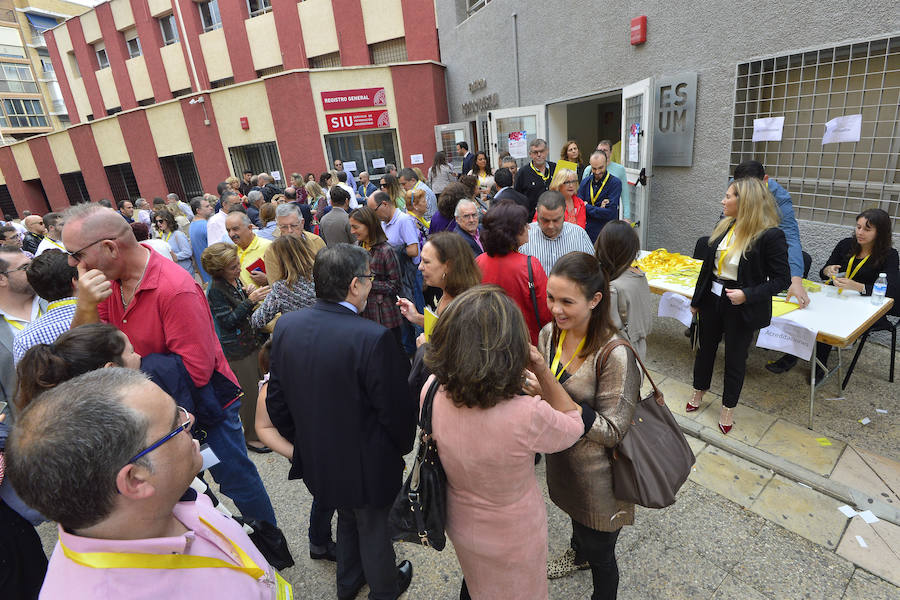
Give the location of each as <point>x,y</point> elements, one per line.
<point>353,98</point>
<point>366,119</point>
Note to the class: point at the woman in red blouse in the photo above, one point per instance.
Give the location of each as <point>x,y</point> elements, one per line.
<point>381,306</point>
<point>503,230</point>
<point>566,183</point>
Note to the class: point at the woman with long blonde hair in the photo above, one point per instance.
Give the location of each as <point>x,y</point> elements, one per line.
<point>746,263</point>
<point>566,182</point>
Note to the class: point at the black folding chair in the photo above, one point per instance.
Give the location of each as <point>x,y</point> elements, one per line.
<point>882,324</point>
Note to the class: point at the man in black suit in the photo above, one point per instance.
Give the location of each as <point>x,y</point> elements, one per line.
<point>534,180</point>
<point>504,180</point>
<point>462,148</point>
<point>350,416</point>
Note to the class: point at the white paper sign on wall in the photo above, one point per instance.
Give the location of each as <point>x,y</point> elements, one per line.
<point>350,165</point>
<point>769,129</point>
<point>786,336</point>
<point>377,163</point>
<point>843,129</point>
<point>416,159</point>
<point>276,175</point>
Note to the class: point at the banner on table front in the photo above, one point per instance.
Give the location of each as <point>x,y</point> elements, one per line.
<point>786,336</point>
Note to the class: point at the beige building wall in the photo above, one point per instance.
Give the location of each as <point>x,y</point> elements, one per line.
<point>263,39</point>
<point>215,55</point>
<point>25,161</point>
<point>251,101</point>
<point>383,20</point>
<point>355,77</point>
<point>170,134</point>
<point>319,32</point>
<point>159,7</point>
<point>76,84</point>
<point>176,67</point>
<point>110,143</point>
<point>122,15</point>
<point>63,152</point>
<point>91,27</point>
<point>140,79</point>
<point>107,89</point>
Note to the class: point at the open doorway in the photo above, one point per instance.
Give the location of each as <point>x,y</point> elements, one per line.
<point>587,120</point>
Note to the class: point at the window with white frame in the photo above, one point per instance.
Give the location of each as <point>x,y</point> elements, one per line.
<point>473,6</point>
<point>47,66</point>
<point>133,43</point>
<point>259,7</point>
<point>169,29</point>
<point>17,78</point>
<point>829,183</point>
<point>209,15</point>
<point>102,58</point>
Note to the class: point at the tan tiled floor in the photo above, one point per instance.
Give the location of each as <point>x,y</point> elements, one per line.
<point>800,446</point>
<point>853,471</point>
<point>882,554</point>
<point>735,478</point>
<point>749,424</point>
<point>801,510</point>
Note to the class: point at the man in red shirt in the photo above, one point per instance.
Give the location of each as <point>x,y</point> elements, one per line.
<point>162,310</point>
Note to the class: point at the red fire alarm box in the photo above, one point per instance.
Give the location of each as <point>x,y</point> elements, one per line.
<point>639,30</point>
<point>245,124</point>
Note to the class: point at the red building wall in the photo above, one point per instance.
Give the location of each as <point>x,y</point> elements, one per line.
<point>48,172</point>
<point>421,97</point>
<point>87,65</point>
<point>89,160</point>
<point>296,127</point>
<point>64,86</point>
<point>117,53</point>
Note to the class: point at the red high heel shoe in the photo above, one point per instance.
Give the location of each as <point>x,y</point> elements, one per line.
<point>698,396</point>
<point>729,412</point>
<point>725,428</point>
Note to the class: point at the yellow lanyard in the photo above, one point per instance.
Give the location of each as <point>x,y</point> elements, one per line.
<point>20,326</point>
<point>168,236</point>
<point>554,366</point>
<point>57,244</point>
<point>602,185</point>
<point>59,303</point>
<point>541,175</point>
<point>136,560</point>
<point>422,220</point>
<point>851,272</point>
<point>724,253</point>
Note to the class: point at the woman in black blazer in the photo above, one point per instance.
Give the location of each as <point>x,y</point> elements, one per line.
<point>745,264</point>
<point>862,258</point>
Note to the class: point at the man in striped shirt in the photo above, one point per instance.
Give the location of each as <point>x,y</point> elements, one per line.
<point>550,236</point>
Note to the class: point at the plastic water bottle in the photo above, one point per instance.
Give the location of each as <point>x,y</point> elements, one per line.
<point>879,289</point>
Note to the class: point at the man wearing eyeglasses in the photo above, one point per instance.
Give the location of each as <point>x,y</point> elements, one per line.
<point>351,420</point>
<point>129,526</point>
<point>289,221</point>
<point>534,179</point>
<point>162,310</point>
<point>19,306</point>
<point>466,214</point>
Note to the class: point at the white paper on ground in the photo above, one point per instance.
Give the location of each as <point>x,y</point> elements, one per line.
<point>881,411</point>
<point>862,543</point>
<point>836,398</point>
<point>676,306</point>
<point>350,165</point>
<point>377,163</point>
<point>209,457</point>
<point>785,336</point>
<point>843,129</point>
<point>847,511</point>
<point>865,420</point>
<point>768,129</point>
<point>868,517</point>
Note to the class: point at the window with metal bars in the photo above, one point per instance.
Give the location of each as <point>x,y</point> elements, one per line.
<point>122,182</point>
<point>76,190</point>
<point>180,174</point>
<point>257,158</point>
<point>258,7</point>
<point>829,183</point>
<point>390,51</point>
<point>325,61</point>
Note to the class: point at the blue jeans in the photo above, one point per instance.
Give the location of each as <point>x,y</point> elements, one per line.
<point>236,474</point>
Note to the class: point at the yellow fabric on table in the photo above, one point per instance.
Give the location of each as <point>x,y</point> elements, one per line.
<point>781,308</point>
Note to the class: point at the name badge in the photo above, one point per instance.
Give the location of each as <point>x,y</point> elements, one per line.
<point>716,288</point>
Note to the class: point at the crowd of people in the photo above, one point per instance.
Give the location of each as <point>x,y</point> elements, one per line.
<point>311,321</point>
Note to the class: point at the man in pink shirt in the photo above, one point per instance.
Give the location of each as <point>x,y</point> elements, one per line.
<point>162,310</point>
<point>109,456</point>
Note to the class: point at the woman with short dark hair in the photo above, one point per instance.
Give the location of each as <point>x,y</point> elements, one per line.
<point>488,433</point>
<point>503,231</point>
<point>381,305</point>
<point>167,230</point>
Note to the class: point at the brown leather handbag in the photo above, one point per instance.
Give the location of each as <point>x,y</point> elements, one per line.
<point>653,459</point>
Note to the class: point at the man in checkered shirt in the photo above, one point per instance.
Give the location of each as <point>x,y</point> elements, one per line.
<point>52,279</point>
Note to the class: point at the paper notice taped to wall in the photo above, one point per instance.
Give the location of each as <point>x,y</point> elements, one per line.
<point>843,129</point>
<point>768,129</point>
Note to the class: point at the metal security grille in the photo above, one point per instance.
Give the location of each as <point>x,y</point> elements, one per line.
<point>472,6</point>
<point>76,190</point>
<point>258,158</point>
<point>390,51</point>
<point>122,182</point>
<point>828,183</point>
<point>7,206</point>
<point>180,174</point>
<point>325,61</point>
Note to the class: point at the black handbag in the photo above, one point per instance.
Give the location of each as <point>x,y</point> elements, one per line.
<point>531,292</point>
<point>420,509</point>
<point>653,459</point>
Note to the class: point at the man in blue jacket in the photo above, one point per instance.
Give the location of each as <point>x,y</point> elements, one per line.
<point>601,193</point>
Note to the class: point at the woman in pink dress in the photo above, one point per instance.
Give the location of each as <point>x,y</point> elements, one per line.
<point>487,434</point>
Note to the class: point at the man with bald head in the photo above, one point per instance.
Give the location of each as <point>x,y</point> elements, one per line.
<point>162,310</point>
<point>250,248</point>
<point>34,233</point>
